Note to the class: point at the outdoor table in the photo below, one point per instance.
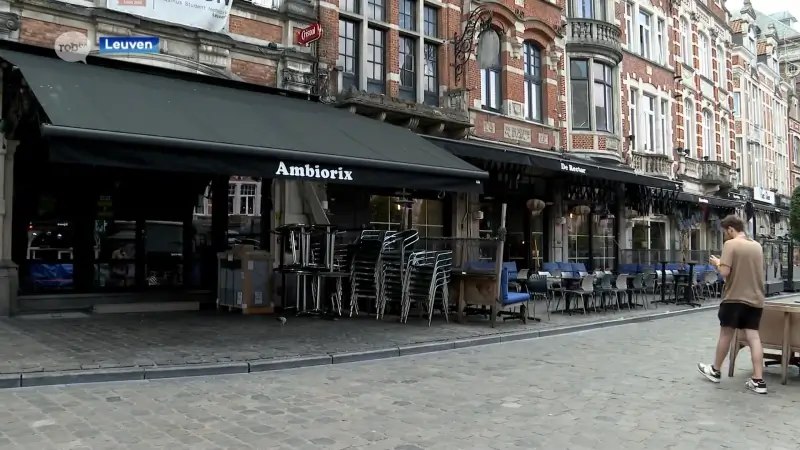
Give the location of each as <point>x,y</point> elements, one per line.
<point>484,283</point>
<point>779,330</point>
<point>688,296</point>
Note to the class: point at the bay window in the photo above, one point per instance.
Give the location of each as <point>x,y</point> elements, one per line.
<point>592,95</point>
<point>588,9</point>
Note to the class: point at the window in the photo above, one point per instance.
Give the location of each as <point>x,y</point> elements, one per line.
<point>664,125</point>
<point>632,117</point>
<point>349,5</point>
<point>603,97</point>
<point>579,87</point>
<point>725,137</point>
<point>588,9</point>
<point>491,83</point>
<point>603,250</point>
<point>348,59</point>
<point>601,89</point>
<point>629,26</point>
<point>247,199</point>
<point>425,215</point>
<point>375,69</point>
<point>750,42</point>
<point>688,127</point>
<point>660,55</point>
<point>709,149</point>
<point>408,16</point>
<point>649,131</point>
<point>578,238</point>
<point>645,37</point>
<point>431,75</point>
<point>737,104</point>
<point>532,64</point>
<point>759,166</point>
<point>375,9</point>
<point>722,67</point>
<point>703,55</point>
<point>408,74</point>
<point>231,197</point>
<point>796,150</point>
<point>686,41</point>
<point>431,21</point>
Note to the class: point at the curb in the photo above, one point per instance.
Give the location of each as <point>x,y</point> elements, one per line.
<point>33,379</point>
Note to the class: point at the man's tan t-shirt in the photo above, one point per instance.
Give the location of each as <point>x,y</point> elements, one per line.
<point>745,282</point>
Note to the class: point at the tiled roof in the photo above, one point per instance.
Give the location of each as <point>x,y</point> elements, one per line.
<point>761,48</point>
<point>736,25</point>
<point>763,21</point>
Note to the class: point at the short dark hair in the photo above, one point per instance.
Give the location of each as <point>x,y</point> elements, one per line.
<point>734,222</point>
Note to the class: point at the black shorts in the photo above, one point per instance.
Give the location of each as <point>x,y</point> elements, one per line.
<point>740,316</point>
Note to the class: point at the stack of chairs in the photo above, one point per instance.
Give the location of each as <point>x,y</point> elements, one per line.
<point>425,283</point>
<point>364,268</point>
<point>395,251</point>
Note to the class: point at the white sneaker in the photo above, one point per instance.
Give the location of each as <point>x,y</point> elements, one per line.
<point>759,387</point>
<point>708,371</point>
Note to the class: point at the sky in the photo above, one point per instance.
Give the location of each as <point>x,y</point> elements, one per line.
<point>768,7</point>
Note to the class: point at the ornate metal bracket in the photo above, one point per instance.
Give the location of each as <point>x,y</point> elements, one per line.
<point>479,20</point>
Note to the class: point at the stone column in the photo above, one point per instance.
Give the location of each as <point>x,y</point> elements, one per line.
<point>9,276</point>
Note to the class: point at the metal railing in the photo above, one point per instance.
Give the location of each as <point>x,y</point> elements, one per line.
<point>652,256</point>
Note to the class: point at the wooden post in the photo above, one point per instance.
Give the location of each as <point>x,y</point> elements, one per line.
<point>501,234</point>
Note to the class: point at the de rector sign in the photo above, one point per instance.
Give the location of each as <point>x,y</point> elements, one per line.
<point>573,168</point>
<point>209,15</point>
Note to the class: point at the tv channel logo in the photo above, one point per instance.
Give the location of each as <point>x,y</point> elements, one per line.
<point>109,45</point>
<point>72,46</point>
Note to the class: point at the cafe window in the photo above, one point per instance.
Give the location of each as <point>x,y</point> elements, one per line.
<point>603,251</point>
<point>425,215</point>
<point>519,242</point>
<point>578,238</point>
<point>694,239</point>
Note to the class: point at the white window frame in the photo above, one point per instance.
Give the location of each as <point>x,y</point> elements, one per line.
<point>664,122</point>
<point>660,55</point>
<point>722,67</point>
<point>737,104</point>
<point>709,145</point>
<point>629,28</point>
<point>689,127</point>
<point>703,50</point>
<point>686,41</point>
<point>649,105</point>
<point>725,139</point>
<point>645,32</point>
<point>633,95</point>
<point>750,42</point>
<point>758,166</point>
<point>247,200</point>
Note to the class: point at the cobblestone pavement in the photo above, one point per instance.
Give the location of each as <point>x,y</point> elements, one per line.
<point>109,341</point>
<point>627,387</point>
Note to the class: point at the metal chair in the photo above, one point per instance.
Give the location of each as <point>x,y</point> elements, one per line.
<point>622,288</point>
<point>650,285</point>
<point>709,284</point>
<point>539,290</point>
<point>639,289</point>
<point>607,287</point>
<point>586,289</point>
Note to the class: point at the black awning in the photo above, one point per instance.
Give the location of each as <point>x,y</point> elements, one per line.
<point>769,208</point>
<point>129,118</point>
<point>718,202</point>
<point>550,162</point>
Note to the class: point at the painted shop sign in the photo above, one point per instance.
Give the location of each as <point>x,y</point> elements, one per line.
<point>575,169</point>
<point>309,171</point>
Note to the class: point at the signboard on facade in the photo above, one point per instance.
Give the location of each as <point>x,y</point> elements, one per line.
<point>313,172</point>
<point>572,168</point>
<point>794,125</point>
<point>763,195</point>
<point>210,15</point>
<point>309,34</point>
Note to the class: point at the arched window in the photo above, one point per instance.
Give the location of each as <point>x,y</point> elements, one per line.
<point>689,130</point>
<point>491,74</point>
<point>709,149</point>
<point>686,41</point>
<point>532,64</point>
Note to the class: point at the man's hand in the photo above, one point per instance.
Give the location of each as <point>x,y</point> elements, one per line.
<point>713,260</point>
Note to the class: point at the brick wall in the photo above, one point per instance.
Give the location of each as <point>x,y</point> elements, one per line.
<point>44,34</point>
<point>254,72</point>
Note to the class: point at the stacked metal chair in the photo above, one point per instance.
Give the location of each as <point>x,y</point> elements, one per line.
<point>395,251</point>
<point>364,268</point>
<point>425,283</point>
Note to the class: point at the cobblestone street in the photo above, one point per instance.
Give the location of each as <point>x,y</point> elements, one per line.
<point>627,387</point>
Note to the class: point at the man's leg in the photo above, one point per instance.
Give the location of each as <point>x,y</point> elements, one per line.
<point>723,346</point>
<point>756,353</point>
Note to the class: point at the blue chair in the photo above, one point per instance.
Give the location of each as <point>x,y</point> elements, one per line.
<point>510,298</point>
<point>578,267</point>
<point>565,267</point>
<point>550,267</point>
<point>630,269</point>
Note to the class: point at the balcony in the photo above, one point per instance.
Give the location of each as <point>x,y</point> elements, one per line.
<point>594,37</point>
<point>715,173</point>
<point>652,164</point>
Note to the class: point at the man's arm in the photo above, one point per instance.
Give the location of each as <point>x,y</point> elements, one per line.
<point>725,261</point>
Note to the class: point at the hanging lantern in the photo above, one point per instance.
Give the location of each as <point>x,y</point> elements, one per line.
<point>535,206</point>
<point>581,210</point>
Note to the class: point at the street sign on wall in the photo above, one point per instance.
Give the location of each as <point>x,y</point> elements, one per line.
<point>309,34</point>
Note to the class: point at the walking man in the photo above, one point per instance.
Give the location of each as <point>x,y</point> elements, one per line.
<point>742,267</point>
